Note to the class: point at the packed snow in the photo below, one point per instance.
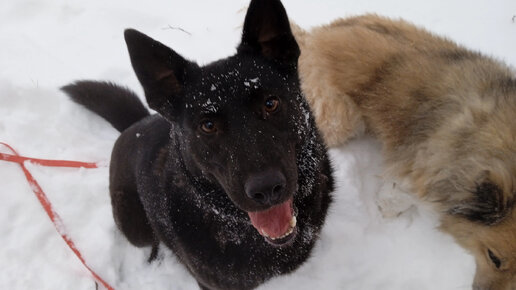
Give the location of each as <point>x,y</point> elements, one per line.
<point>48,43</point>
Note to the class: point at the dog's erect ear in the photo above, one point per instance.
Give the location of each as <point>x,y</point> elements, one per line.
<point>161,71</point>
<point>488,205</point>
<point>267,32</point>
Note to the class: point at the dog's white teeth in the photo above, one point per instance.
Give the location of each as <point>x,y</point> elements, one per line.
<point>285,235</point>
<point>288,233</point>
<point>293,222</point>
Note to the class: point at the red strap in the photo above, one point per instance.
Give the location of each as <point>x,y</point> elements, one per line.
<point>45,162</point>
<point>54,217</point>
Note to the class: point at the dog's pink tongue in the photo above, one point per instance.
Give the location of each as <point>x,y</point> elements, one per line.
<point>273,222</point>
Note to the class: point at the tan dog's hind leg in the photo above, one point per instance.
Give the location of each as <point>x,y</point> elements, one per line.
<point>336,116</point>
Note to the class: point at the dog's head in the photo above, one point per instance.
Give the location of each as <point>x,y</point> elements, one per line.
<point>493,246</point>
<point>478,186</point>
<point>241,121</point>
<point>484,223</point>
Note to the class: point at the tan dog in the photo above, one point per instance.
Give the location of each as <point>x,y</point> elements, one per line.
<point>446,117</point>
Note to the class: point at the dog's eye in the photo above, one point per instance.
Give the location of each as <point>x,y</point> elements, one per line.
<point>208,126</point>
<point>496,261</point>
<point>272,104</point>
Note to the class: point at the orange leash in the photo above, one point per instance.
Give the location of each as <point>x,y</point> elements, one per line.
<point>42,197</point>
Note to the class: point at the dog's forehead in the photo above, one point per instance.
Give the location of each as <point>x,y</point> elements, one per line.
<point>232,81</point>
<point>238,73</point>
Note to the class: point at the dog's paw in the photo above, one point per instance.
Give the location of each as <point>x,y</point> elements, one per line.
<point>392,201</point>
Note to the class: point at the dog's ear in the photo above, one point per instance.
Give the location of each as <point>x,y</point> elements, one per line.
<point>161,71</point>
<point>488,204</point>
<point>267,32</point>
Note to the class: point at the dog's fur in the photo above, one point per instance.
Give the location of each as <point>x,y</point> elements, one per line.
<point>233,139</point>
<point>446,117</point>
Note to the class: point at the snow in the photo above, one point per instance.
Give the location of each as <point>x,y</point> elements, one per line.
<point>49,43</point>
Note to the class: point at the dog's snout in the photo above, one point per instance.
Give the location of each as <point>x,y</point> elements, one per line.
<point>266,187</point>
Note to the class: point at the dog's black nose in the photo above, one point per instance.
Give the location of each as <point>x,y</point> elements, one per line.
<point>267,187</point>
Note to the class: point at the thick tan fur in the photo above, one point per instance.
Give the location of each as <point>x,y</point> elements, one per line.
<point>446,117</point>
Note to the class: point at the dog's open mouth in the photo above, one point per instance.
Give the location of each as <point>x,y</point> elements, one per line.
<point>277,224</point>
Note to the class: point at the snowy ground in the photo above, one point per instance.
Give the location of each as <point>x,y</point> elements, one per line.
<point>48,43</point>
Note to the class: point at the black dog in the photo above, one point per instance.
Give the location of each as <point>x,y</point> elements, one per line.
<point>231,162</point>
